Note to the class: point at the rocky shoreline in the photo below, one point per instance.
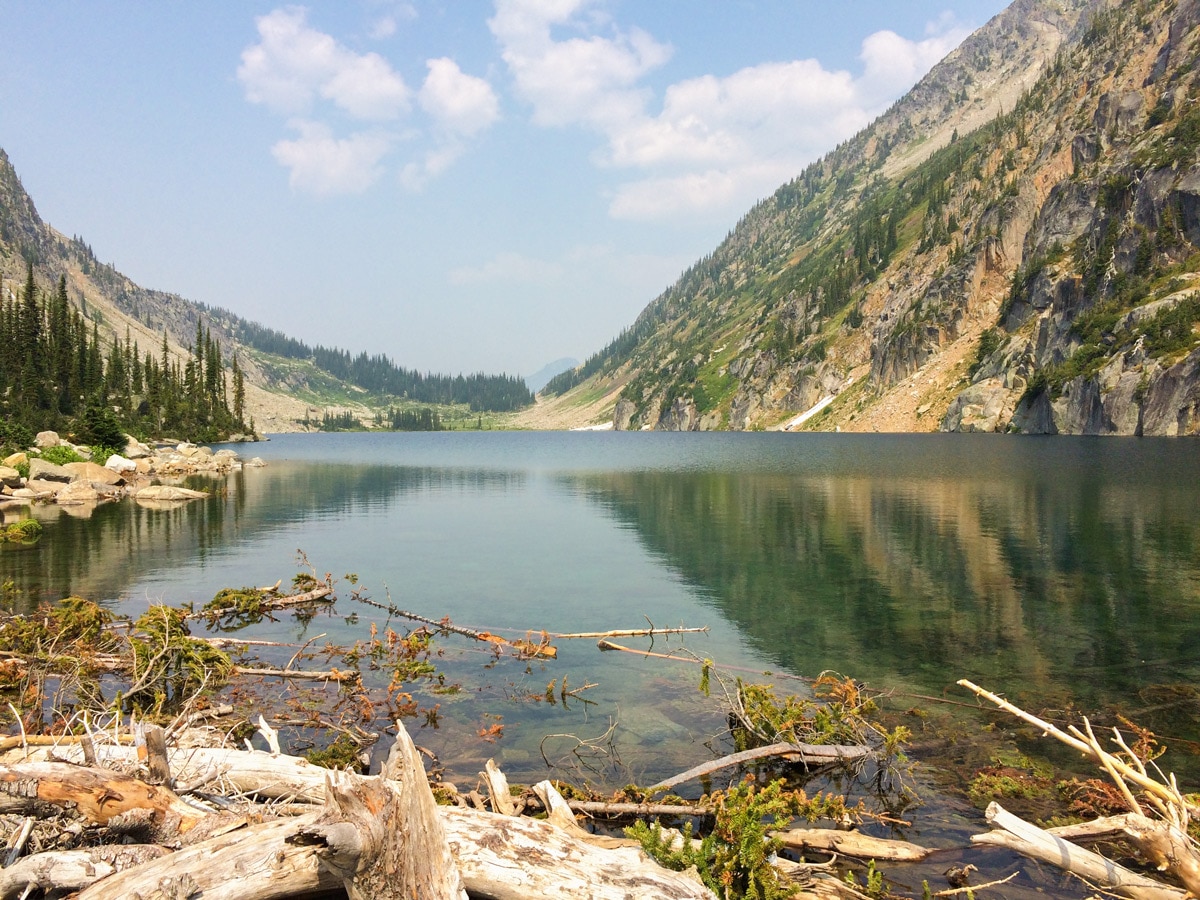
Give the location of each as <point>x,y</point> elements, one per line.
<point>149,474</point>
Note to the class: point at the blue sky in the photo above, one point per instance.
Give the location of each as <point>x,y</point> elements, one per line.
<point>466,185</point>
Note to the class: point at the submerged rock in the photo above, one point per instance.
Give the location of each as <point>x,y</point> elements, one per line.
<point>169,492</point>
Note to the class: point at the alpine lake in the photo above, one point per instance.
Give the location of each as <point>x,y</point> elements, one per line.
<point>1063,573</point>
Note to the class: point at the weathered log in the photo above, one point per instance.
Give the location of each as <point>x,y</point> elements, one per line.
<point>251,772</point>
<point>252,863</point>
<point>809,754</point>
<point>61,871</point>
<point>1031,841</point>
<point>850,843</point>
<point>509,858</point>
<point>97,794</point>
<point>382,836</point>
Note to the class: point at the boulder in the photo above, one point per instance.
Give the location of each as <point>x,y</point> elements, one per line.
<point>256,462</point>
<point>136,450</point>
<point>120,464</point>
<point>169,492</point>
<point>77,492</point>
<point>46,439</point>
<point>10,477</point>
<point>16,459</point>
<point>93,473</point>
<point>40,470</point>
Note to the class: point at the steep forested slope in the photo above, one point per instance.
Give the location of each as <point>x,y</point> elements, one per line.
<point>1011,246</point>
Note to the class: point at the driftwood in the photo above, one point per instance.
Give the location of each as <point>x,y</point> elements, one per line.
<point>851,843</point>
<point>1164,841</point>
<point>809,754</point>
<point>1031,841</point>
<point>502,801</point>
<point>97,794</point>
<point>525,649</point>
<point>252,863</point>
<point>509,858</point>
<point>631,632</point>
<point>73,870</point>
<point>353,844</point>
<point>382,836</point>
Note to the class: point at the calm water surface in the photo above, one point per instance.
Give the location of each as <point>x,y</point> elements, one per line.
<point>1061,571</point>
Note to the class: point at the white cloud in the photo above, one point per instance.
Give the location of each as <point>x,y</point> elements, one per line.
<point>892,60</point>
<point>716,144</point>
<point>299,71</point>
<point>460,104</point>
<point>580,80</point>
<point>321,164</point>
<point>293,64</point>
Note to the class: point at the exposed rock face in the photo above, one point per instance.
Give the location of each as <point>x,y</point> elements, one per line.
<point>1014,246</point>
<point>40,470</point>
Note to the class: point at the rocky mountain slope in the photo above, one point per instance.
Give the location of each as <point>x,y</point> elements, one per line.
<point>1013,246</point>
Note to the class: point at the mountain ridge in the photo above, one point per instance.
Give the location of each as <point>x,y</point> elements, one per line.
<point>872,281</point>
<point>286,384</point>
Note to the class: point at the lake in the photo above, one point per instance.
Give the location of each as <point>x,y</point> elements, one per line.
<point>1063,572</point>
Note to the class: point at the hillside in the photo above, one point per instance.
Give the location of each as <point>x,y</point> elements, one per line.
<point>1012,246</point>
<point>287,382</point>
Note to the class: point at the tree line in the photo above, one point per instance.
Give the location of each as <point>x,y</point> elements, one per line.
<point>57,373</point>
<point>380,375</point>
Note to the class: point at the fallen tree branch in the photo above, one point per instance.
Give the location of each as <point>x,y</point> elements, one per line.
<point>632,632</point>
<point>525,649</point>
<point>1083,746</point>
<point>1031,841</point>
<point>809,754</point>
<point>851,843</point>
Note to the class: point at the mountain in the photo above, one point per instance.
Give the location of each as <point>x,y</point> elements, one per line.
<point>539,379</point>
<point>287,381</point>
<point>1012,246</point>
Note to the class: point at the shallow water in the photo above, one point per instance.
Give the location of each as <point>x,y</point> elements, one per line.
<point>1064,572</point>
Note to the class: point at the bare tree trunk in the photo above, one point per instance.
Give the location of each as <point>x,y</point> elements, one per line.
<point>382,836</point>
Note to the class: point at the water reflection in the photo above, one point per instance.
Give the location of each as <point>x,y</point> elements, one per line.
<point>98,551</point>
<point>1085,585</point>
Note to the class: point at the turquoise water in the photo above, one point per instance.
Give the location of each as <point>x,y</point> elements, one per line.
<point>1061,571</point>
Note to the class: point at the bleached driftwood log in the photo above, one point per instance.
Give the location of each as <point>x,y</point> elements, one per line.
<point>72,870</point>
<point>497,856</point>
<point>252,863</point>
<point>382,835</point>
<point>509,858</point>
<point>1031,841</point>
<point>850,843</point>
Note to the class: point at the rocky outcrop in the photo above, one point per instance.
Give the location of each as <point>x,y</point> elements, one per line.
<point>80,484</point>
